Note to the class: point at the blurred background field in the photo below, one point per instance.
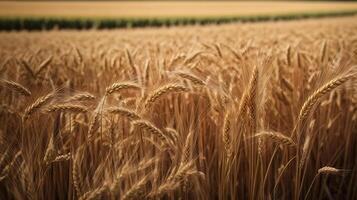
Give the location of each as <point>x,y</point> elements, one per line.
<point>38,15</point>
<point>144,9</point>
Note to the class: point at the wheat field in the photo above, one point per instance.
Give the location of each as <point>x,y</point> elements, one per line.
<point>238,111</point>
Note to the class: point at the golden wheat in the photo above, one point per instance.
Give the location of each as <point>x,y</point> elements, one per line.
<point>180,113</point>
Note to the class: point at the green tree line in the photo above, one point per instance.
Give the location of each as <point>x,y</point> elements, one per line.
<point>32,23</point>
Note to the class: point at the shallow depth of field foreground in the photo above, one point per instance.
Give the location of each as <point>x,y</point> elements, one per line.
<point>240,111</point>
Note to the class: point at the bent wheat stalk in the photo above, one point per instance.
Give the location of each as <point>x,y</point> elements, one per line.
<point>132,115</point>
<point>40,102</point>
<point>163,91</point>
<point>315,97</point>
<point>149,127</point>
<point>194,79</point>
<point>116,87</point>
<point>16,87</point>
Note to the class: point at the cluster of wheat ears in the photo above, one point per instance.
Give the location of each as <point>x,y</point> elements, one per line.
<point>261,111</point>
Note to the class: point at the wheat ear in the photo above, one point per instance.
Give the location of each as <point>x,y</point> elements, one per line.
<point>66,108</point>
<point>132,115</point>
<point>248,95</point>
<point>226,135</point>
<point>163,91</point>
<point>16,87</point>
<point>313,99</point>
<point>96,193</point>
<point>187,149</point>
<point>329,170</point>
<point>137,191</point>
<point>149,127</point>
<point>43,65</point>
<point>37,105</point>
<point>76,175</point>
<point>194,79</point>
<point>116,87</point>
<point>276,137</point>
<point>62,157</point>
<point>82,97</point>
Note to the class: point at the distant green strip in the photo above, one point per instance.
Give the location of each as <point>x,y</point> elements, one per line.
<point>48,23</point>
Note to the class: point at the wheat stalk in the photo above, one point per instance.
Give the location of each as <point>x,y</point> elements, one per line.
<point>66,108</point>
<point>131,62</point>
<point>76,175</point>
<point>248,95</point>
<point>43,65</point>
<point>305,150</point>
<point>287,84</point>
<point>28,68</point>
<point>6,170</point>
<point>175,180</point>
<point>82,97</point>
<point>132,115</point>
<point>313,99</point>
<point>96,193</point>
<point>137,191</point>
<point>16,87</point>
<point>50,153</point>
<point>63,157</point>
<point>163,91</point>
<point>328,170</point>
<point>226,134</point>
<point>276,137</point>
<point>172,133</point>
<point>288,54</point>
<point>37,105</point>
<point>187,148</point>
<point>149,127</point>
<point>94,122</point>
<point>116,87</point>
<point>194,79</point>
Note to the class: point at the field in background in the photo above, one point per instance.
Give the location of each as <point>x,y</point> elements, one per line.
<point>240,111</point>
<point>171,9</point>
<point>86,15</point>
